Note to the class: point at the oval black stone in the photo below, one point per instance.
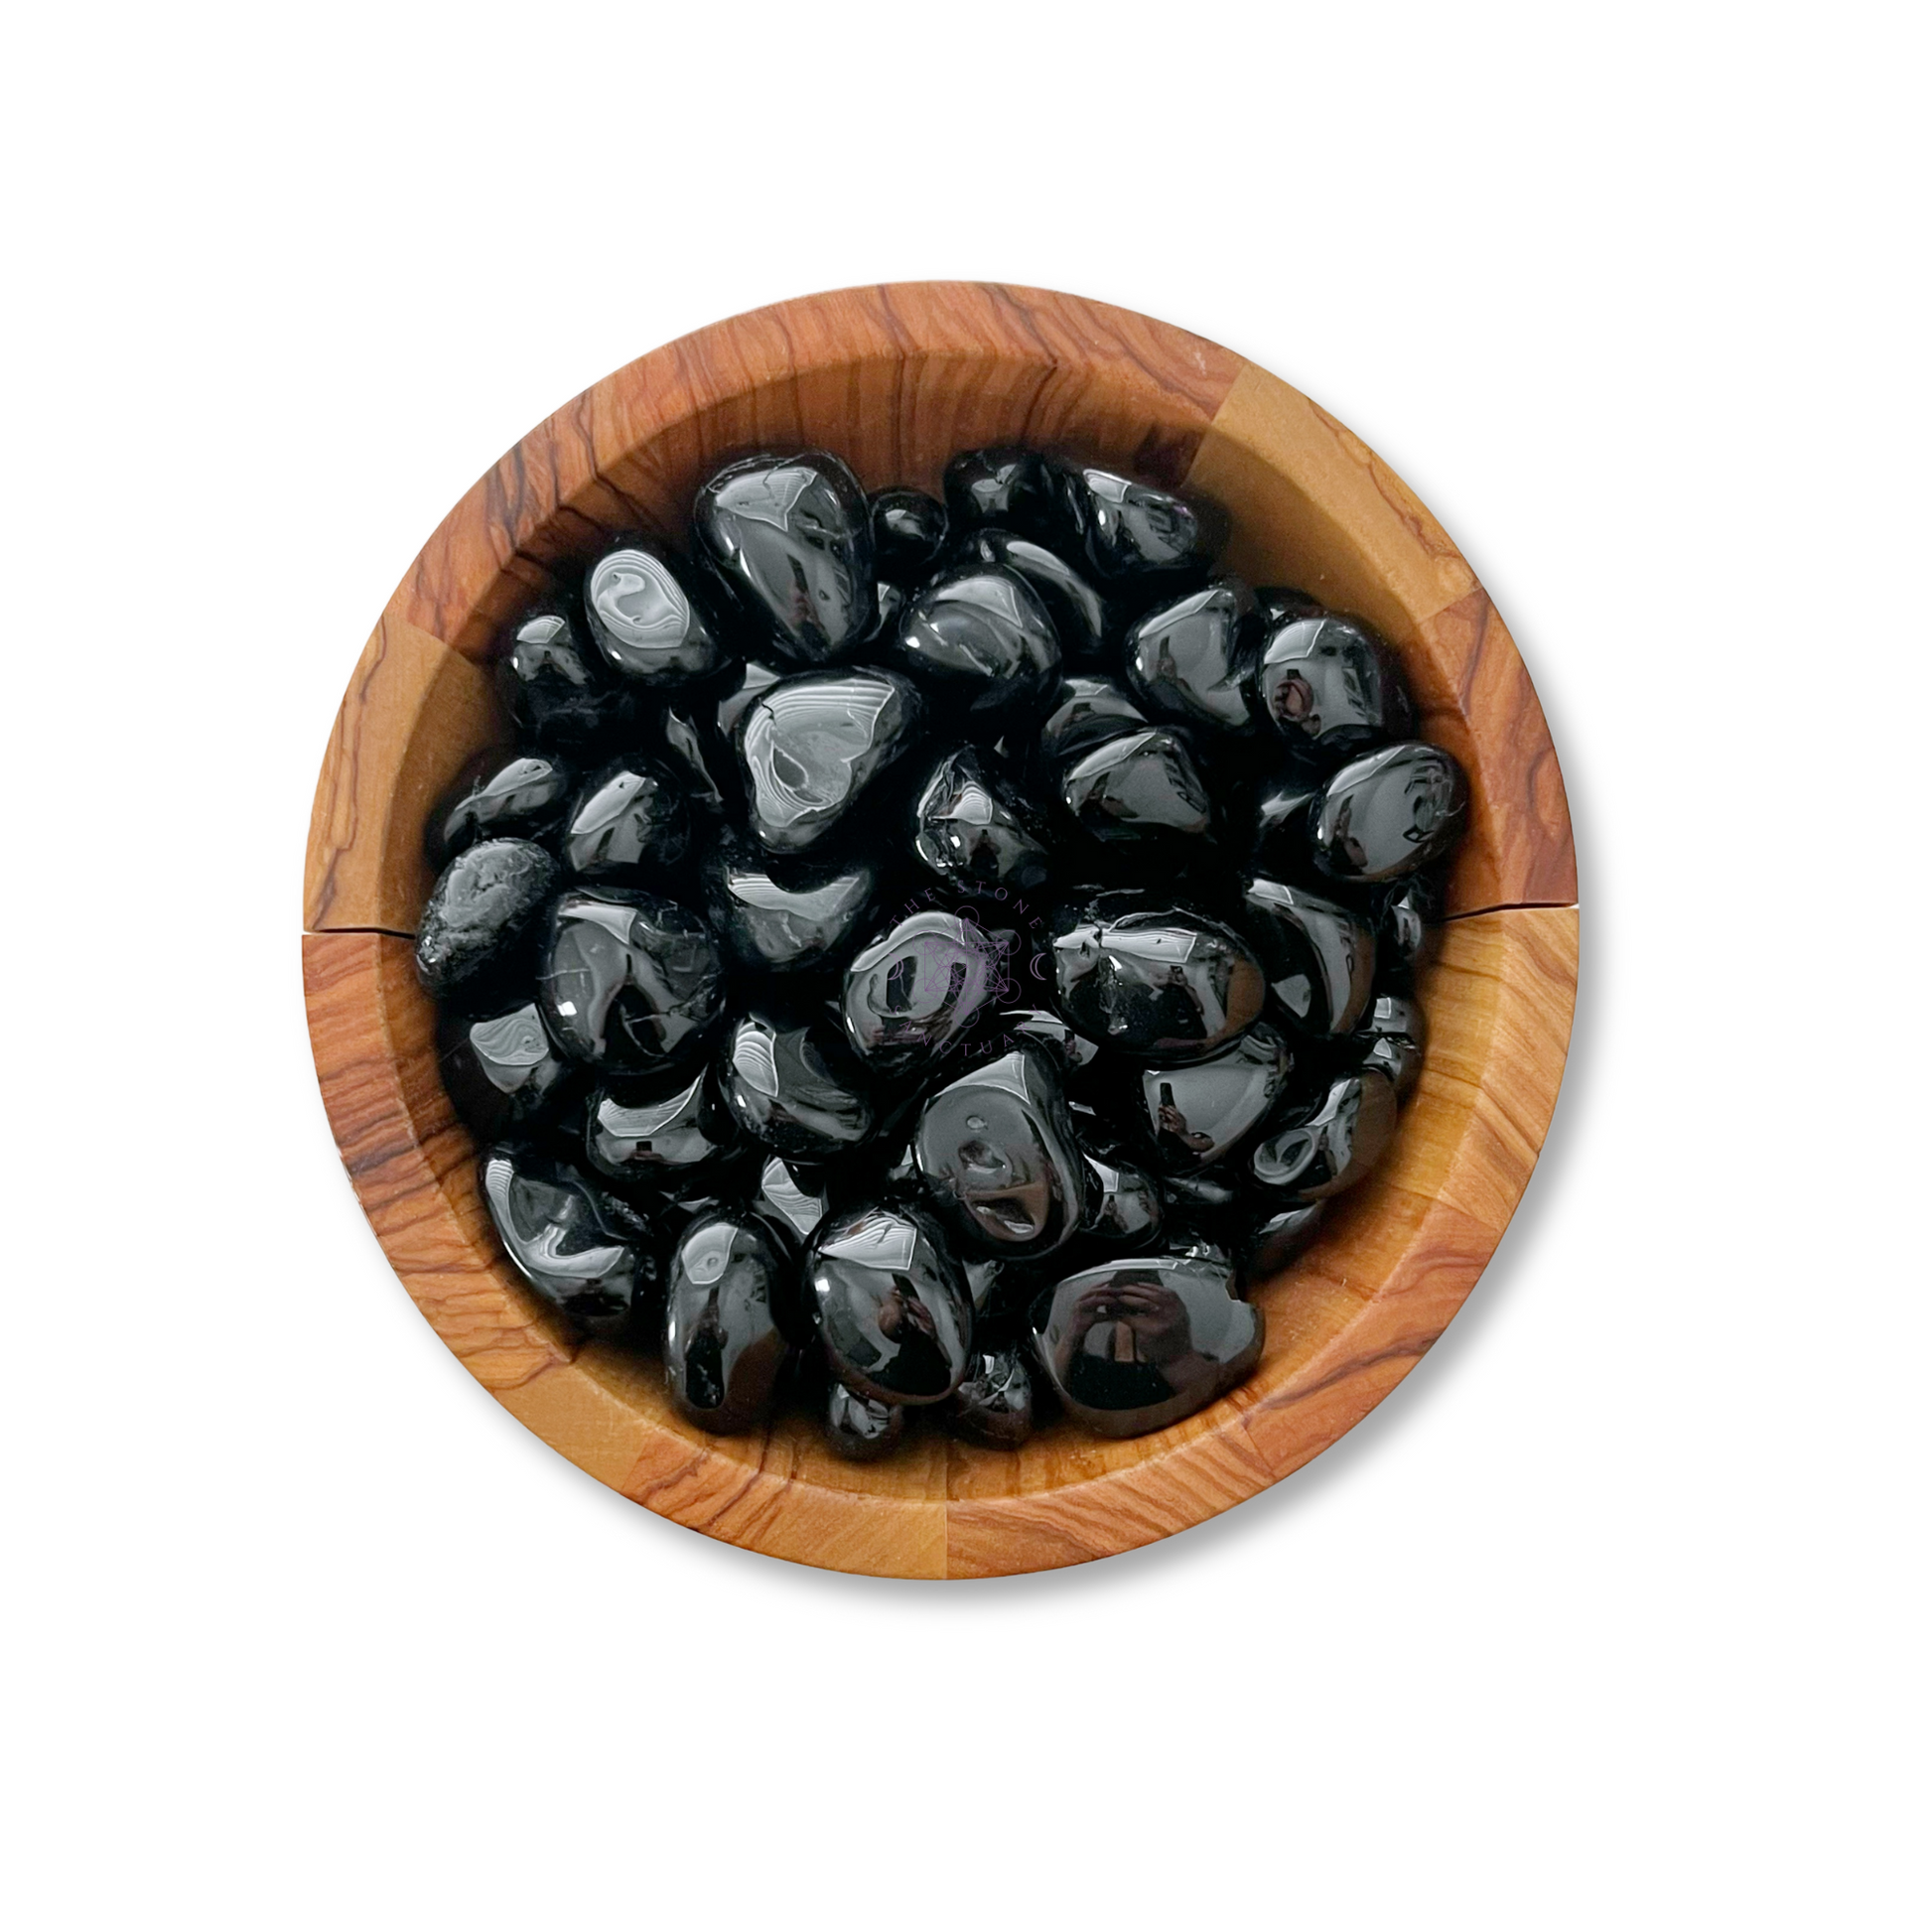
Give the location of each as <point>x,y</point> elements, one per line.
<point>1194,1116</point>
<point>795,1089</point>
<point>1157,983</point>
<point>784,921</point>
<point>1390,812</point>
<point>1087,711</point>
<point>916,989</point>
<point>793,538</point>
<point>630,981</point>
<point>1192,659</point>
<point>1332,688</point>
<point>556,687</point>
<point>1135,1345</point>
<point>478,935</point>
<point>1081,616</point>
<point>1394,1038</point>
<point>628,823</point>
<point>1010,486</point>
<point>1319,1150</point>
<point>1134,530</point>
<point>1141,786</point>
<point>1320,957</point>
<point>502,1071</point>
<point>723,1346</point>
<point>498,794</point>
<point>994,1403</point>
<point>1279,1238</point>
<point>813,743</point>
<point>860,1431</point>
<point>997,1159</point>
<point>970,825</point>
<point>579,1247</point>
<point>645,622</point>
<point>652,1131</point>
<point>908,531</point>
<point>982,643</point>
<point>892,1309</point>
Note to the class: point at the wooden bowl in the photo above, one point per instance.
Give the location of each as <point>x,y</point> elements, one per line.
<point>896,379</point>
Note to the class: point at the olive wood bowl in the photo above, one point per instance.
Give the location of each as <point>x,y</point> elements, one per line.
<point>896,379</point>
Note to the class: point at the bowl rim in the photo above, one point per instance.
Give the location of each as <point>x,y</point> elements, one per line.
<point>1357,1312</point>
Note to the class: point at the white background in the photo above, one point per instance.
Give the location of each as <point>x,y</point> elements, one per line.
<point>1613,1614</point>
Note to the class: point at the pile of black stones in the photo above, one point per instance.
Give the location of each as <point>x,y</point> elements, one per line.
<point>934,955</point>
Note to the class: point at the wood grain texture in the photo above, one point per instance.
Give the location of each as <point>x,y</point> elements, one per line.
<point>1316,508</point>
<point>412,714</point>
<point>1344,1325</point>
<point>897,379</point>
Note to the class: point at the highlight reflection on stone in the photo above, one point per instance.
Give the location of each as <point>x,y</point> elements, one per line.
<point>1135,1345</point>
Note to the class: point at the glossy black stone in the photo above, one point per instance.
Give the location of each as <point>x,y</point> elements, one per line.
<point>1131,530</point>
<point>1279,603</point>
<point>791,536</point>
<point>1321,1148</point>
<point>478,932</point>
<point>751,681</point>
<point>795,1089</point>
<point>860,1431</point>
<point>1141,786</point>
<point>723,1346</point>
<point>892,1308</point>
<point>915,990</point>
<point>1279,1238</point>
<point>793,1193</point>
<point>1407,932</point>
<point>1332,688</point>
<point>1135,1345</point>
<point>498,794</point>
<point>1283,809</point>
<point>784,919</point>
<point>1045,1027</point>
<point>701,761</point>
<point>1192,659</point>
<point>994,1403</point>
<point>1207,1197</point>
<point>629,982</point>
<point>908,531</point>
<point>1123,1201</point>
<point>1081,616</point>
<point>1086,711</point>
<point>811,745</point>
<point>652,1131</point>
<point>969,824</point>
<point>646,622</point>
<point>578,1246</point>
<point>997,1159</point>
<point>983,646</point>
<point>1394,1038</point>
<point>1389,814</point>
<point>628,825</point>
<point>1157,983</point>
<point>1010,487</point>
<point>503,1071</point>
<point>556,687</point>
<point>1194,1116</point>
<point>1320,957</point>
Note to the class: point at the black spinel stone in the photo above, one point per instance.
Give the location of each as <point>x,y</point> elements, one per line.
<point>478,930</point>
